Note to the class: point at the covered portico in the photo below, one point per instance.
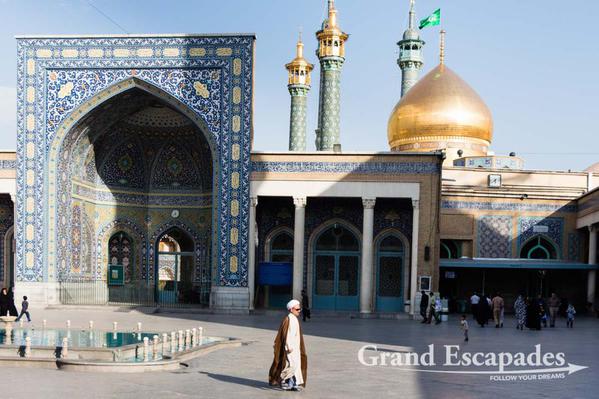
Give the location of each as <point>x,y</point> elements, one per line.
<point>588,222</point>
<point>378,272</point>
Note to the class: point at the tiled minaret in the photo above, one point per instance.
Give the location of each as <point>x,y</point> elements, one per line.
<point>299,85</point>
<point>331,53</point>
<point>410,53</point>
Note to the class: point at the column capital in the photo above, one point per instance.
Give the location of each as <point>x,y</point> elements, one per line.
<point>299,202</point>
<point>253,201</point>
<point>368,203</point>
<point>415,203</point>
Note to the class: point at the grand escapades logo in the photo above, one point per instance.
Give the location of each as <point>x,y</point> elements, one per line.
<point>522,366</point>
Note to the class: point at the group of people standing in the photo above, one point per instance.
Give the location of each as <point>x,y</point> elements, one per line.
<point>530,312</point>
<point>485,308</point>
<point>430,308</point>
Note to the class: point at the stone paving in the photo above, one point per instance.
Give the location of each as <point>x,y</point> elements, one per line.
<point>334,370</point>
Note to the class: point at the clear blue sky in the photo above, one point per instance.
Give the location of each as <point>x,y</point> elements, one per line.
<point>534,62</point>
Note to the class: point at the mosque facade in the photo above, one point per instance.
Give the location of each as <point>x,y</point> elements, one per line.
<point>135,182</point>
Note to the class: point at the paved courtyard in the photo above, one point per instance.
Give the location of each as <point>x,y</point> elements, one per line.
<point>334,370</point>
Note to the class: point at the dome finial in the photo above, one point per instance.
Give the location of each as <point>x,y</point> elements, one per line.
<point>332,14</point>
<point>300,45</point>
<point>442,47</point>
<point>412,20</point>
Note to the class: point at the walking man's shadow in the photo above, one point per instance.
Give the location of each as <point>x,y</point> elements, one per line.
<point>239,380</point>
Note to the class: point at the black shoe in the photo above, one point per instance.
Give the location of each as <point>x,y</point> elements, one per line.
<point>496,325</point>
<point>465,339</point>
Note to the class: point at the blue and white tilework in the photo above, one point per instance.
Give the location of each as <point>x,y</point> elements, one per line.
<point>366,168</point>
<point>555,231</point>
<point>59,80</point>
<point>508,206</point>
<point>494,237</point>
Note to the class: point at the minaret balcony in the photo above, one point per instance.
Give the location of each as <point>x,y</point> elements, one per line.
<point>411,55</point>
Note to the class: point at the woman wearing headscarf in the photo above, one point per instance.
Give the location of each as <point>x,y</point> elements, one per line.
<point>482,315</point>
<point>4,299</point>
<point>290,364</point>
<point>533,314</point>
<point>520,309</point>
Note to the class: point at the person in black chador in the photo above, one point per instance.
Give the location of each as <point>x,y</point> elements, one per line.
<point>423,306</point>
<point>3,302</point>
<point>305,306</point>
<point>533,314</point>
<point>482,314</point>
<point>12,308</point>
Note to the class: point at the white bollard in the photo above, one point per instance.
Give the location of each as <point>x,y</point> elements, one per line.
<point>114,325</point>
<point>139,326</point>
<point>8,334</point>
<point>44,323</point>
<point>28,347</point>
<point>194,337</point>
<point>187,338</point>
<point>65,347</point>
<point>155,347</point>
<point>201,334</point>
<point>91,324</point>
<point>180,340</point>
<point>146,348</point>
<point>173,342</point>
<point>68,324</point>
<point>164,344</point>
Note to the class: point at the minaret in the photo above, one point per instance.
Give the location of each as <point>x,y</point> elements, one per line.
<point>298,84</point>
<point>331,53</point>
<point>410,53</point>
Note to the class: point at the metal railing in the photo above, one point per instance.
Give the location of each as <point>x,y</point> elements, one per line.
<point>80,291</point>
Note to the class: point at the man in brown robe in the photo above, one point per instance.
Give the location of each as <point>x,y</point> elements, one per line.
<point>289,367</point>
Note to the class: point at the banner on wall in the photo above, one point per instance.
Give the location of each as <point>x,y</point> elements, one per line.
<point>275,273</point>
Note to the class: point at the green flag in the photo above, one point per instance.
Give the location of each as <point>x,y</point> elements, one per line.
<point>431,20</point>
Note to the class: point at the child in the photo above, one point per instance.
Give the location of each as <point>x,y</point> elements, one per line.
<point>24,309</point>
<point>464,323</point>
<point>570,311</point>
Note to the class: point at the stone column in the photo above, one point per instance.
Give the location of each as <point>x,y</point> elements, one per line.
<point>252,250</point>
<point>414,255</point>
<point>592,276</point>
<point>298,246</point>
<point>366,272</point>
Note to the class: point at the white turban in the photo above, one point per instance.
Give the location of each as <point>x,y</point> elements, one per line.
<point>292,303</point>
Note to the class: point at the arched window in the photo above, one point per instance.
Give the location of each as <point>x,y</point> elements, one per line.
<point>281,247</point>
<point>390,256</point>
<point>120,252</point>
<point>177,282</point>
<point>538,247</point>
<point>337,238</point>
<point>449,249</point>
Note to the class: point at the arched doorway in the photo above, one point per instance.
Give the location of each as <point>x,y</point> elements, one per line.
<point>176,280</point>
<point>279,248</point>
<point>539,247</point>
<point>336,269</point>
<point>8,276</point>
<point>144,159</point>
<point>390,268</point>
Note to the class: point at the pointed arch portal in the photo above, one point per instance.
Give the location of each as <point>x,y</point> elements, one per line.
<point>143,130</point>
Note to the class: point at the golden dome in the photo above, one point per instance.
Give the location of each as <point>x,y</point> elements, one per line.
<point>594,168</point>
<point>440,111</point>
